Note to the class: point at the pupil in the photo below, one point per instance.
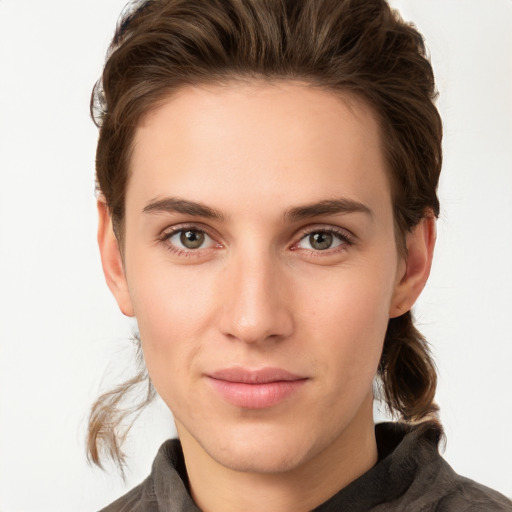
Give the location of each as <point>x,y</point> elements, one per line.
<point>320,241</point>
<point>192,239</point>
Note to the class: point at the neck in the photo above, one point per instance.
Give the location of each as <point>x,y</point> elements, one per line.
<point>216,488</point>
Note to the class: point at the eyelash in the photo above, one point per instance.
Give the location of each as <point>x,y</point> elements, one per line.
<point>347,239</point>
<point>187,253</point>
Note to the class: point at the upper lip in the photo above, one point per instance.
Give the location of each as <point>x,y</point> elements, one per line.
<point>254,376</point>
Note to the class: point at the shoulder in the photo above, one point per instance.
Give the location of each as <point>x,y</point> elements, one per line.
<point>469,496</point>
<point>434,486</point>
<point>136,500</point>
<point>164,489</point>
<point>450,492</point>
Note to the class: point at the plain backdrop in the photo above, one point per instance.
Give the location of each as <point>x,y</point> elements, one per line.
<point>62,337</point>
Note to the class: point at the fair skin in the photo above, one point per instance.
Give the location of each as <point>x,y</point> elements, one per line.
<point>260,261</point>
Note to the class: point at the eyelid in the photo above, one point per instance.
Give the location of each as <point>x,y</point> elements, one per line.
<point>344,234</point>
<point>183,226</point>
<point>170,231</point>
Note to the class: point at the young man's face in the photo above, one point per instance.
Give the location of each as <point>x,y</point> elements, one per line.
<point>262,267</point>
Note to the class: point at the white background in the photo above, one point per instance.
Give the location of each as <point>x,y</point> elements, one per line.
<point>61,334</point>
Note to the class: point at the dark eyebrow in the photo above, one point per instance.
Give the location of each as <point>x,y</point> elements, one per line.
<point>327,207</point>
<point>177,205</point>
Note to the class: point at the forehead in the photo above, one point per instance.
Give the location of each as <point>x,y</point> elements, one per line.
<point>287,142</point>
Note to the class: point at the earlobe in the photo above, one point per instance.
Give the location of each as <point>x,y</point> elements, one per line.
<point>112,261</point>
<point>418,262</point>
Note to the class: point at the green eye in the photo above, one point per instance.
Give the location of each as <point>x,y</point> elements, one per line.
<point>189,239</point>
<point>321,241</point>
<point>192,239</point>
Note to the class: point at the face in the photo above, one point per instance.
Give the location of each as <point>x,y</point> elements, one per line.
<point>261,264</point>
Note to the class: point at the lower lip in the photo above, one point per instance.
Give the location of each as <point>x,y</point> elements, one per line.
<point>256,396</point>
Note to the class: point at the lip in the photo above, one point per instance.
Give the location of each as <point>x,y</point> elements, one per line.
<point>255,389</point>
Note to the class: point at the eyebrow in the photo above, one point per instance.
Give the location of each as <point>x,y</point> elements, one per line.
<point>177,205</point>
<point>196,209</point>
<point>327,207</point>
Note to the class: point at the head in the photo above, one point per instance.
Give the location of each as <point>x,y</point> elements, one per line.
<point>355,63</point>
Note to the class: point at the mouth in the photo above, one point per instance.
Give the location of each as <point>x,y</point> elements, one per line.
<point>255,389</point>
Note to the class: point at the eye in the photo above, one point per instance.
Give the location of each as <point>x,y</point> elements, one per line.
<point>189,239</point>
<point>323,240</point>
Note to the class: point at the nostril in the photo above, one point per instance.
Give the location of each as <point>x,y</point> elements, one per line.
<point>255,325</point>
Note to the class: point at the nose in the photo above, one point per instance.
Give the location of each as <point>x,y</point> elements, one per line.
<point>256,306</point>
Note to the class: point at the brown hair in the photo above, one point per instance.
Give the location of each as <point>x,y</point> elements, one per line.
<point>357,46</point>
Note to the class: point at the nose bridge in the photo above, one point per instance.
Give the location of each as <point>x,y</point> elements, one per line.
<point>255,308</point>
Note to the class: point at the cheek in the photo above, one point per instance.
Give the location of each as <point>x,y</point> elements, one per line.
<point>173,310</point>
<point>351,317</point>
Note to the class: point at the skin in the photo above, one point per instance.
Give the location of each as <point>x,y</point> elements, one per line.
<point>258,292</point>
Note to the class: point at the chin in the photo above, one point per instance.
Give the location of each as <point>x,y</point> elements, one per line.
<point>261,450</point>
<point>259,458</point>
<point>269,442</point>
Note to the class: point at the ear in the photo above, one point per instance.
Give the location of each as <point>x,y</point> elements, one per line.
<point>415,268</point>
<point>112,261</point>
